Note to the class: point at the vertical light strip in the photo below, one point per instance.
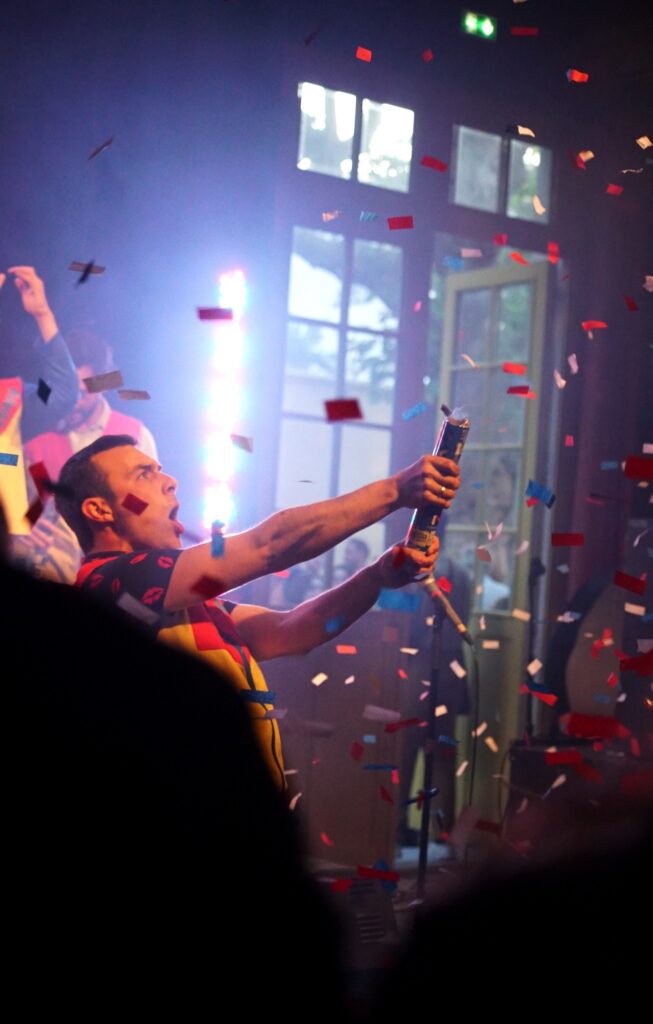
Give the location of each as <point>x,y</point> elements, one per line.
<point>224,397</point>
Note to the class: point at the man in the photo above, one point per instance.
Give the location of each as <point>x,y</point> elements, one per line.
<point>26,408</point>
<point>124,509</point>
<point>56,555</point>
<point>357,552</point>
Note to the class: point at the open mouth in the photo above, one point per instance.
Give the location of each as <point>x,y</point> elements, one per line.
<point>174,512</point>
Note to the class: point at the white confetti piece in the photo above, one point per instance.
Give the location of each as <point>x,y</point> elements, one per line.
<point>560,781</point>
<point>586,155</point>
<point>429,621</point>
<point>376,714</point>
<point>519,613</point>
<point>559,379</point>
<point>349,680</point>
<point>538,206</point>
<point>492,744</point>
<point>425,682</point>
<point>457,669</point>
<point>524,546</point>
<point>648,282</point>
<point>491,645</point>
<point>320,678</point>
<point>621,698</point>
<point>644,142</point>
<point>523,130</point>
<point>409,650</point>
<point>634,609</point>
<point>291,771</point>
<point>461,769</point>
<point>468,359</point>
<point>132,606</point>
<point>563,568</point>
<point>441,710</point>
<point>293,803</point>
<point>482,624</point>
<point>470,254</point>
<point>644,646</point>
<point>424,695</point>
<point>573,362</point>
<point>534,667</point>
<point>523,805</point>
<point>479,730</point>
<point>647,449</point>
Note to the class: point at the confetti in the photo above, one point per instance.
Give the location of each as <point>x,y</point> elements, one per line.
<point>500,239</point>
<point>573,362</point>
<point>448,741</point>
<point>134,504</point>
<point>246,444</point>
<point>567,540</point>
<point>330,215</point>
<point>482,623</point>
<point>639,467</point>
<point>441,710</point>
<point>523,390</point>
<point>131,606</point>
<point>342,409</point>
<point>400,223</point>
<point>258,696</point>
<point>372,767</point>
<point>432,161</point>
<point>634,609</point>
<point>523,30</point>
<point>103,382</point>
<point>461,769</point>
<point>490,645</point>
<point>376,714</point>
<point>479,730</point>
<point>129,395</point>
<point>325,839</point>
<point>402,673</point>
<point>357,751</point>
<point>644,142</point>
<point>345,648</point>
<point>427,56</point>
<point>553,252</point>
<point>100,149</point>
<point>457,669</point>
<point>217,539</point>
<point>293,803</point>
<point>385,795</point>
<point>524,546</point>
<point>363,54</point>
<point>404,723</point>
<point>349,680</point>
<point>34,511</point>
<point>454,262</point>
<point>633,583</point>
<point>518,258</point>
<point>366,216</point>
<point>614,190</point>
<point>609,464</point>
<point>569,440</point>
<point>382,875</point>
<point>492,744</point>
<point>409,650</point>
<point>540,491</point>
<point>471,254</point>
<point>593,325</point>
<point>523,616</point>
<point>335,624</point>
<point>214,313</point>
<point>415,410</point>
<point>586,155</point>
<point>534,667</point>
<point>8,459</point>
<point>538,206</point>
<point>517,368</point>
<point>577,76</point>
<point>631,304</point>
<point>468,359</point>
<point>320,678</point>
<point>483,554</point>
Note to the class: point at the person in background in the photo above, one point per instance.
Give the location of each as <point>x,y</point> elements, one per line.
<point>28,408</point>
<point>357,553</point>
<point>52,551</point>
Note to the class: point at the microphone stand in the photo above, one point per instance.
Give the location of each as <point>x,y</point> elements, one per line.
<point>429,747</point>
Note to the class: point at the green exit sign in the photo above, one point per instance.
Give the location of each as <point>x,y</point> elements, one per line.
<point>479,25</point>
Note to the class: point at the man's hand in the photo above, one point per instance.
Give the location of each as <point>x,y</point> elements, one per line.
<point>32,293</point>
<point>401,565</point>
<point>431,480</point>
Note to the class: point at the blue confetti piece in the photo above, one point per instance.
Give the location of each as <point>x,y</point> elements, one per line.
<point>398,601</point>
<point>454,262</point>
<point>540,491</point>
<point>410,414</point>
<point>449,740</point>
<point>369,738</point>
<point>7,459</point>
<point>648,617</point>
<point>610,465</point>
<point>386,884</point>
<point>259,696</point>
<point>365,216</point>
<point>217,539</point>
<point>380,767</point>
<point>479,485</point>
<point>334,625</point>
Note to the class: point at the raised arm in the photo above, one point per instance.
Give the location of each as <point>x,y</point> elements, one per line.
<point>299,534</point>
<point>270,634</point>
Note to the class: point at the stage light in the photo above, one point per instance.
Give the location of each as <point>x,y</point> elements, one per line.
<point>481,25</point>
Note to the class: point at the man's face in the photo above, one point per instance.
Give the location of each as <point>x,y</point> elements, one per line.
<point>129,471</point>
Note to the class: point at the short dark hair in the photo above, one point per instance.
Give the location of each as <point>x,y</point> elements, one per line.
<point>80,479</point>
<point>88,349</point>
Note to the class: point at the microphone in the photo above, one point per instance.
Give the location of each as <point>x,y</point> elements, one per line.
<point>434,591</point>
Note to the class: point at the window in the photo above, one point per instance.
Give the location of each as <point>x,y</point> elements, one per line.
<point>327,138</point>
<point>501,175</point>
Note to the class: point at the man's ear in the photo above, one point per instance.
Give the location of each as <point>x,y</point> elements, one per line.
<point>98,510</point>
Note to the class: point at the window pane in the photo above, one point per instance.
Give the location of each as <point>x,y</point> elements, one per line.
<point>473,325</point>
<point>311,367</point>
<point>304,455</point>
<point>365,457</point>
<point>502,488</point>
<point>386,146</point>
<point>530,175</point>
<point>513,341</point>
<point>316,271</point>
<point>497,577</point>
<point>478,162</point>
<point>375,296</point>
<point>507,413</point>
<point>467,390</point>
<point>466,509</point>
<point>370,370</point>
<point>326,134</point>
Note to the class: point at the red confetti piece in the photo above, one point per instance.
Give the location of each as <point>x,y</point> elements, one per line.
<point>577,76</point>
<point>642,664</point>
<point>593,325</point>
<point>394,776</point>
<point>357,751</point>
<point>385,795</point>
<point>401,672</point>
<point>384,876</point>
<point>432,161</point>
<point>546,698</point>
<point>427,56</point>
<point>588,771</point>
<point>531,501</point>
<point>522,30</point>
<point>404,724</point>
<point>363,54</point>
<point>444,584</point>
<point>592,726</point>
<point>521,389</point>
<point>207,587</point>
<point>34,511</point>
<point>614,190</point>
<point>518,258</point>
<point>500,239</point>
<point>400,223</point>
<point>283,574</point>
<point>39,475</point>
<point>341,884</point>
<point>246,444</point>
<point>325,839</point>
<point>346,649</point>
<point>417,307</point>
<point>567,540</point>
<point>577,160</point>
<point>553,251</point>
<point>134,504</point>
<point>569,441</point>
<point>398,557</point>
<point>563,757</point>
<point>613,679</point>
<point>628,582</point>
<point>630,302</point>
<point>519,368</point>
<point>639,467</point>
<point>342,409</point>
<point>484,554</point>
<point>214,313</point>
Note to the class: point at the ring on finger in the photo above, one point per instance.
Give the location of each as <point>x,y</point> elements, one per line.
<point>443,489</point>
